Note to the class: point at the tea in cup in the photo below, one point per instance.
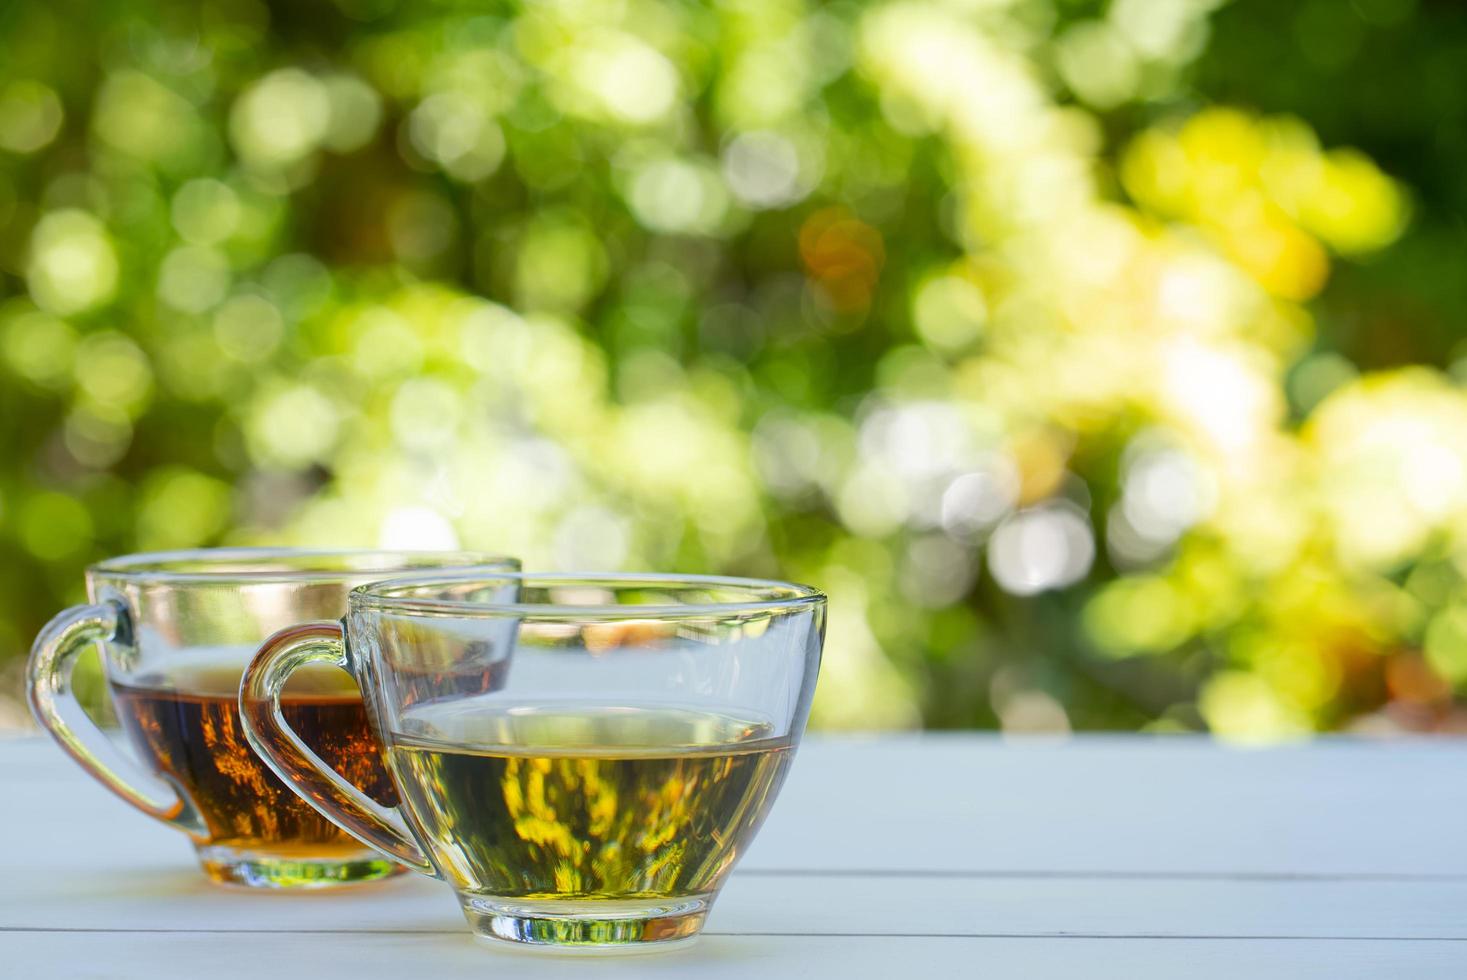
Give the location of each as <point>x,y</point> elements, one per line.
<point>177,630</point>
<point>599,795</point>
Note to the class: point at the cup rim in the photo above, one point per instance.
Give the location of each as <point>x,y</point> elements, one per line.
<point>216,566</point>
<point>377,595</point>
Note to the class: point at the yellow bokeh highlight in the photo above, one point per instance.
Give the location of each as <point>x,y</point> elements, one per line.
<point>1266,194</point>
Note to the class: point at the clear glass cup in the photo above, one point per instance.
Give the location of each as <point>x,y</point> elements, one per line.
<point>597,794</point>
<point>176,631</point>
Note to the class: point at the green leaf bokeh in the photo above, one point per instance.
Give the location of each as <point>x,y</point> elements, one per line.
<point>1101,360</point>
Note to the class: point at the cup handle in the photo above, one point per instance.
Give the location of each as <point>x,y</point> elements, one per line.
<point>303,771</point>
<point>55,707</point>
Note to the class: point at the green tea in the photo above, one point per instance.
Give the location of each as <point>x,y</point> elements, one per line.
<point>584,804</point>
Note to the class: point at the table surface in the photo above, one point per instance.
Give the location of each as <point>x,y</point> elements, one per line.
<point>944,855</point>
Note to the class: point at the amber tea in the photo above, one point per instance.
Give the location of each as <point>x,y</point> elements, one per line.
<point>584,804</point>
<point>186,725</point>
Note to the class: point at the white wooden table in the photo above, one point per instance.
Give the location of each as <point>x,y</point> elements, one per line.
<point>962,856</point>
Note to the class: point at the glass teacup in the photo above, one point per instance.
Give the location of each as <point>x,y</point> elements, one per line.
<point>598,795</point>
<point>177,630</point>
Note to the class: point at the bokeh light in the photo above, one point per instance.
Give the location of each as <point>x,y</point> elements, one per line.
<point>1102,360</point>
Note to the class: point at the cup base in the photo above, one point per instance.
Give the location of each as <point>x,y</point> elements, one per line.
<point>599,927</point>
<point>254,869</point>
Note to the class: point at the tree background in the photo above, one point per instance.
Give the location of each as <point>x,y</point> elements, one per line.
<point>1101,360</point>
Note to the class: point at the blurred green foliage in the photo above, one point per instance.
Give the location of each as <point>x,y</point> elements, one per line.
<point>1084,352</point>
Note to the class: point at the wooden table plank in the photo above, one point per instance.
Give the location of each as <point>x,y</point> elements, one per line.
<point>754,904</point>
<point>1094,805</point>
<point>224,956</point>
<point>1172,805</point>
